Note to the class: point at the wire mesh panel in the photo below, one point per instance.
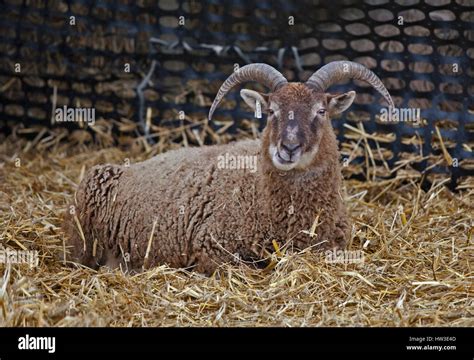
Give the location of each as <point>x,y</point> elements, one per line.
<point>161,63</point>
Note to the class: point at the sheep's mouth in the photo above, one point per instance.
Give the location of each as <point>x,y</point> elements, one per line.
<point>282,161</point>
<point>298,160</point>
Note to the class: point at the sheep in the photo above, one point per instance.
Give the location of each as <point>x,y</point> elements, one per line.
<point>198,208</point>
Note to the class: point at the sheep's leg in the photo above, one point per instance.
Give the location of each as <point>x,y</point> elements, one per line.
<point>111,261</point>
<point>342,233</point>
<point>81,246</point>
<point>205,265</point>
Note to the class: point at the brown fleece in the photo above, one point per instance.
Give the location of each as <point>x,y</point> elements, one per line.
<point>203,216</point>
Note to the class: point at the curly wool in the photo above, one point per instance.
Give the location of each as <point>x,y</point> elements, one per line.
<point>180,208</point>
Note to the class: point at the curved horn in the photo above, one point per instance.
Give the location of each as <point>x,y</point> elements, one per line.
<point>261,73</point>
<point>342,70</point>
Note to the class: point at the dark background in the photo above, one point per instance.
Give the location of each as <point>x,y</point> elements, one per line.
<point>83,65</point>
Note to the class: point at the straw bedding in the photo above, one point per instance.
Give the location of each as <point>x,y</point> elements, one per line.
<point>417,245</point>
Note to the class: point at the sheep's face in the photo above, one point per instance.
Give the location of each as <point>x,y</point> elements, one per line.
<point>296,120</point>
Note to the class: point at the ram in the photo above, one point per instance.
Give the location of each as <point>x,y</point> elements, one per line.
<point>195,208</point>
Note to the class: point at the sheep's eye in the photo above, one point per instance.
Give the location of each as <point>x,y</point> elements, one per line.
<point>271,112</point>
<point>322,111</point>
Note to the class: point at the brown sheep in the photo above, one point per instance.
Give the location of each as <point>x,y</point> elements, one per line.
<point>200,207</point>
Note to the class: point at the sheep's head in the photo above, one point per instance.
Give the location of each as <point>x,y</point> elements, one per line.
<point>298,114</point>
<point>297,118</point>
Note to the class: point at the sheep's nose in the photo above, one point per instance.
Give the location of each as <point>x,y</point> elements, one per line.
<point>290,147</point>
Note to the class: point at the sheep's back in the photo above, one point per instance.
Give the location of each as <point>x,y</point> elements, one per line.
<point>191,205</point>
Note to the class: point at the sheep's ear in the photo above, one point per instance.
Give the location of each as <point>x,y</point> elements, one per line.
<point>251,97</point>
<point>339,103</point>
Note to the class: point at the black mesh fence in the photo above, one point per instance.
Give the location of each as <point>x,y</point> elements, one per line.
<point>162,62</point>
